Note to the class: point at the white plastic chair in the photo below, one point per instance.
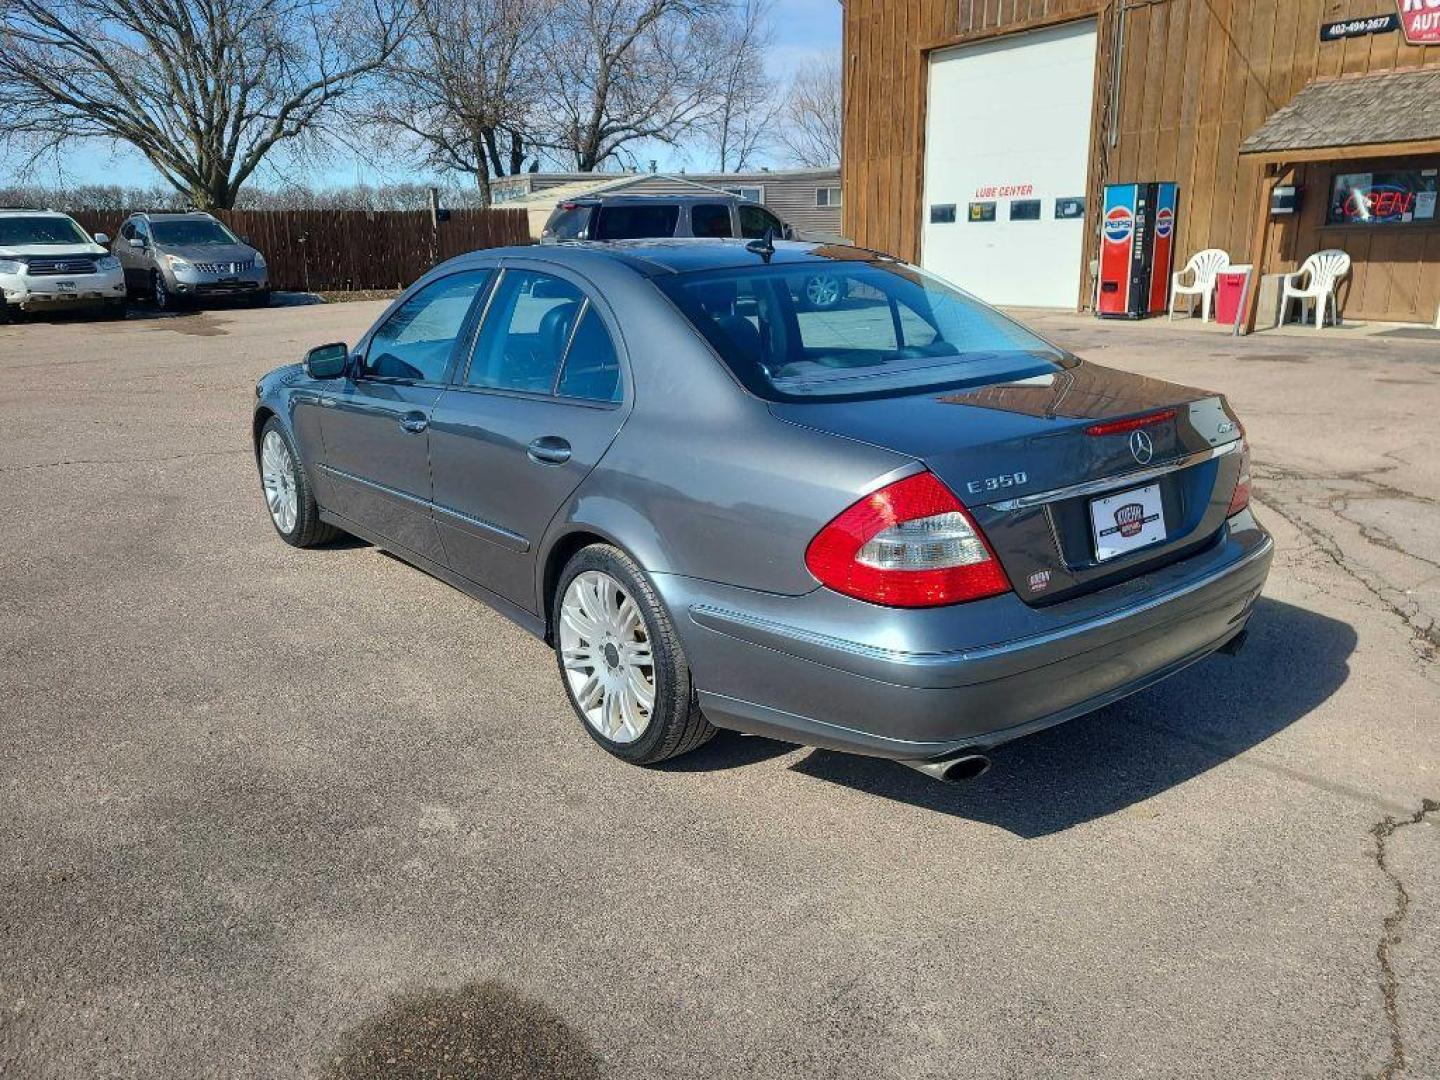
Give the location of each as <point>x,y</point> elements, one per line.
<point>1322,272</point>
<point>1204,265</point>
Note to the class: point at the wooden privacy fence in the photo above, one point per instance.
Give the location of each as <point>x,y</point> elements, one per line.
<point>342,250</point>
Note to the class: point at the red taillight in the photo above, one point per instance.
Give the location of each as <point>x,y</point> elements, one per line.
<point>1241,498</point>
<point>1119,427</point>
<point>910,544</point>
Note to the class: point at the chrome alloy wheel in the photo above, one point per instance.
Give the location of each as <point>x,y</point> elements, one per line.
<point>277,474</point>
<point>605,649</point>
<point>822,291</point>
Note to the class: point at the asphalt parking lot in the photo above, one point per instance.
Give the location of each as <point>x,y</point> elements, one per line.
<point>267,812</point>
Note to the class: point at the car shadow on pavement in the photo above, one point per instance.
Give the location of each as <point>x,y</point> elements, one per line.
<point>1136,748</point>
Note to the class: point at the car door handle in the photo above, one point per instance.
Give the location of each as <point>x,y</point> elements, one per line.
<point>549,450</point>
<point>414,423</point>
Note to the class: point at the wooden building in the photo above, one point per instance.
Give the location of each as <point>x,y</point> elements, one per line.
<point>973,128</point>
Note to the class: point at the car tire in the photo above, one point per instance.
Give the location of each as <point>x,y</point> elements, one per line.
<point>600,647</point>
<point>823,292</point>
<point>289,496</point>
<point>160,292</point>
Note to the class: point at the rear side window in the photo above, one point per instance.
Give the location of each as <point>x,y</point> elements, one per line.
<point>592,370</point>
<point>710,219</point>
<point>415,343</point>
<point>568,222</point>
<point>636,222</point>
<point>526,332</point>
<point>755,222</point>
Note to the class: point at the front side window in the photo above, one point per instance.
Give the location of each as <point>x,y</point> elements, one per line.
<point>127,231</point>
<point>196,232</point>
<point>527,330</point>
<point>755,223</point>
<point>636,222</point>
<point>898,331</point>
<point>19,231</point>
<point>416,341</point>
<point>710,219</point>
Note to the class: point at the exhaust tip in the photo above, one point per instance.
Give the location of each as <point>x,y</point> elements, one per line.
<point>968,767</point>
<point>954,770</point>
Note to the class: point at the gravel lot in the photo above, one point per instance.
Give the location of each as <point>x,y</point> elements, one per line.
<point>274,813</point>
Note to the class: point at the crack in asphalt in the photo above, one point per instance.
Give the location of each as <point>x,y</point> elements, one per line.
<point>120,461</point>
<point>1425,633</point>
<point>1423,626</point>
<point>1390,933</point>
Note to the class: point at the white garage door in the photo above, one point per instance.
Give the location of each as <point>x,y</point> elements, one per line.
<point>1007,139</point>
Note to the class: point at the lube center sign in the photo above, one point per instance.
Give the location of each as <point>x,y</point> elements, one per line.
<point>1420,20</point>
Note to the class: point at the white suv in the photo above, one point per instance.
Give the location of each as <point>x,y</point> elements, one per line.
<point>47,261</point>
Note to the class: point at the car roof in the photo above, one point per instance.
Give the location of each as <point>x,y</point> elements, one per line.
<point>177,215</point>
<point>642,200</point>
<point>682,255</point>
<point>33,211</point>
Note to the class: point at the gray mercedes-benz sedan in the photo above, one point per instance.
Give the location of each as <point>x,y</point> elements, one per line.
<point>904,526</point>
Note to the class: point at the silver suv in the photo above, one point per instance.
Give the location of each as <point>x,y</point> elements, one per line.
<point>716,217</point>
<point>177,258</point>
<point>641,217</point>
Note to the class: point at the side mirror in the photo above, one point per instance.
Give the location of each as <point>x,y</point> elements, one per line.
<point>327,361</point>
<point>137,243</point>
<point>103,239</point>
<point>246,241</point>
<point>789,233</point>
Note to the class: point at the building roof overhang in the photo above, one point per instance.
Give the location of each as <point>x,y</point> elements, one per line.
<point>1385,114</point>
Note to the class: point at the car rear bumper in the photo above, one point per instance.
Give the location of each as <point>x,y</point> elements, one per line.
<point>827,671</point>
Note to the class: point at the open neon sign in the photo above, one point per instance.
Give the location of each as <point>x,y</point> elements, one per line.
<point>1393,197</point>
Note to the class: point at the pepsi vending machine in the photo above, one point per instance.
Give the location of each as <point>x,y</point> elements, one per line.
<point>1136,250</point>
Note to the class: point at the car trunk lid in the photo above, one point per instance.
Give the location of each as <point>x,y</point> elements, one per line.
<point>1031,457</point>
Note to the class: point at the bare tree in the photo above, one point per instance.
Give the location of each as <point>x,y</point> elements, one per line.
<point>464,85</point>
<point>811,119</point>
<point>625,71</point>
<point>204,89</point>
<point>741,121</point>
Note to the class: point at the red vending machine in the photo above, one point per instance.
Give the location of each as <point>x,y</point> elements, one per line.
<point>1137,248</point>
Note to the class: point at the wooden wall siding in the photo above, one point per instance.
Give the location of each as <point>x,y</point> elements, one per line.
<point>341,250</point>
<point>1196,77</point>
<point>1396,270</point>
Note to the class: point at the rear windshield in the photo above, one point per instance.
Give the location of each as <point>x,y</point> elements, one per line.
<point>854,329</point>
<point>636,222</point>
<point>195,233</point>
<point>17,231</point>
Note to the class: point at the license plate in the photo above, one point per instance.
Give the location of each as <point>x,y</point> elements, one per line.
<point>65,286</point>
<point>1127,521</point>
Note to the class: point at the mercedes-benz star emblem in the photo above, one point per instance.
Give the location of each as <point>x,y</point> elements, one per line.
<point>1141,447</point>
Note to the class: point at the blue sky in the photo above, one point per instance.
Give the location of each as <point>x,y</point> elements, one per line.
<point>804,29</point>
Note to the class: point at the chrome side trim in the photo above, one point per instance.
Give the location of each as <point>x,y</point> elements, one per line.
<point>494,533</point>
<point>396,493</point>
<point>726,621</point>
<point>486,530</point>
<point>1108,483</point>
